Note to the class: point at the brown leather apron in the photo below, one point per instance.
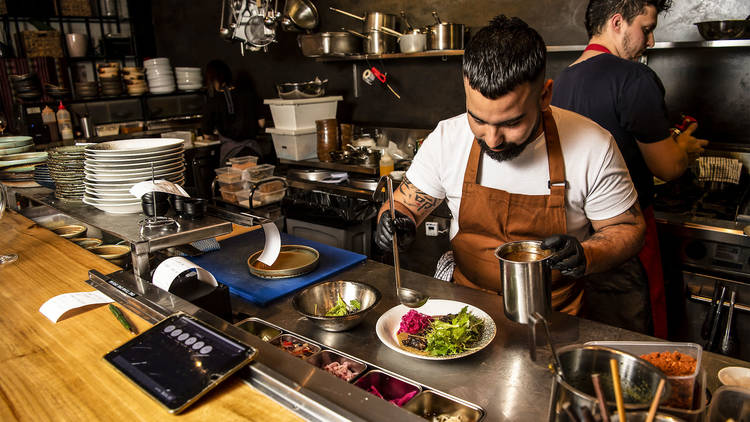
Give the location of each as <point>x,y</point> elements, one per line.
<point>490,217</point>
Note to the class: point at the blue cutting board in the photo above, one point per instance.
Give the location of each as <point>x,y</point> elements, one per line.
<point>229,266</point>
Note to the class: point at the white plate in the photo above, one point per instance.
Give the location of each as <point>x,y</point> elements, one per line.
<point>116,209</point>
<point>98,163</point>
<point>104,195</point>
<point>94,184</point>
<point>166,90</point>
<point>139,145</point>
<point>389,322</point>
<point>134,158</point>
<point>133,176</point>
<point>735,376</point>
<point>135,179</point>
<point>105,169</point>
<point>113,201</point>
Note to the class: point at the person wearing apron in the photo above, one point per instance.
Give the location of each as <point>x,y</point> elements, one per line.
<point>235,114</point>
<point>608,85</point>
<point>588,216</point>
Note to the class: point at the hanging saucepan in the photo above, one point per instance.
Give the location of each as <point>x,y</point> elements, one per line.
<point>376,42</point>
<point>446,36</point>
<point>328,44</point>
<point>373,21</point>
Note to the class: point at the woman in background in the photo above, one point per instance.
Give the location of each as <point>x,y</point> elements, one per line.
<point>234,114</point>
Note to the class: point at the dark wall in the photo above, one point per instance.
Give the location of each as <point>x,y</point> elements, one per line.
<point>710,84</point>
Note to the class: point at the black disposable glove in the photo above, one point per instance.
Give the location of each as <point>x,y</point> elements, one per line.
<point>405,229</point>
<point>569,257</point>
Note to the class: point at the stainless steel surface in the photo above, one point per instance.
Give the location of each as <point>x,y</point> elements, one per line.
<point>302,13</point>
<point>337,189</point>
<point>369,184</point>
<point>326,357</point>
<point>639,379</point>
<point>306,261</point>
<point>126,227</point>
<point>641,417</point>
<point>430,404</point>
<point>725,29</point>
<point>446,36</point>
<point>375,41</point>
<point>408,297</point>
<point>313,303</point>
<point>372,21</point>
<point>315,163</point>
<point>298,90</point>
<point>412,43</point>
<point>527,285</point>
<point>309,174</point>
<point>329,44</point>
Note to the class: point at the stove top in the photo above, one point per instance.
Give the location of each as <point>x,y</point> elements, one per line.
<point>687,196</point>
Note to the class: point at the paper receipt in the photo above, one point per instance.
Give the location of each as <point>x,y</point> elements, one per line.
<point>54,308</point>
<point>273,244</point>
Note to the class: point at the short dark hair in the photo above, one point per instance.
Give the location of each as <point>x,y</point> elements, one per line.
<point>502,56</point>
<point>599,11</point>
<point>217,70</point>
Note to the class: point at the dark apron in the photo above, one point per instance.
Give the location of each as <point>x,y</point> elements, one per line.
<point>491,217</point>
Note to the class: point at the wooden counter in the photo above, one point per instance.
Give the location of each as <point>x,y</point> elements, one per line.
<point>56,371</point>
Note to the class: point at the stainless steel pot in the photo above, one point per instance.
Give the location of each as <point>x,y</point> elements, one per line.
<point>446,36</point>
<point>412,43</point>
<point>377,42</point>
<point>328,44</point>
<point>373,21</point>
<point>526,280</point>
<point>724,30</point>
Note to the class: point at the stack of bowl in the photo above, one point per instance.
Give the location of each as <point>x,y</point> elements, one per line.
<point>86,89</point>
<point>66,166</point>
<point>160,75</point>
<point>135,80</point>
<point>109,78</point>
<point>188,78</point>
<point>27,87</point>
<point>57,92</point>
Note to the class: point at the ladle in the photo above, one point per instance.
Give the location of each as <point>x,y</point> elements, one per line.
<point>408,297</point>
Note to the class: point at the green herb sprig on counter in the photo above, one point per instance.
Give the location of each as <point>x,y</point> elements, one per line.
<point>342,309</point>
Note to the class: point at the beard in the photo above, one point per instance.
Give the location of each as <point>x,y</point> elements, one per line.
<point>513,150</point>
<point>631,52</point>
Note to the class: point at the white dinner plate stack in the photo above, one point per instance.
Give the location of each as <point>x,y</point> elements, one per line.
<point>160,76</point>
<point>112,168</point>
<point>188,78</point>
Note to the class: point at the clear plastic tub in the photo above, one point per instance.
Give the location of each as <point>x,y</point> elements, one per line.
<point>265,193</point>
<point>229,196</point>
<point>241,163</point>
<point>682,386</point>
<point>729,402</point>
<point>258,173</point>
<point>228,175</point>
<point>232,187</point>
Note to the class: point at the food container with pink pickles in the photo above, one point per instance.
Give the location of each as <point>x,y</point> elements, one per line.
<point>682,386</point>
<point>388,387</point>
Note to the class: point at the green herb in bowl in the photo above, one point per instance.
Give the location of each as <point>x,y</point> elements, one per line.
<point>342,309</point>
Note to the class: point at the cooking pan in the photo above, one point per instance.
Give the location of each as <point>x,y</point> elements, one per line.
<point>328,44</point>
<point>373,21</point>
<point>446,36</point>
<point>725,30</point>
<point>376,42</point>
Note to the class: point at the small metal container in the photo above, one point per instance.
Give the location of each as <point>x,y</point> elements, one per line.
<point>293,261</point>
<point>259,328</point>
<point>390,387</point>
<point>315,301</point>
<point>326,357</point>
<point>526,279</point>
<point>642,416</point>
<point>280,340</point>
<point>430,404</point>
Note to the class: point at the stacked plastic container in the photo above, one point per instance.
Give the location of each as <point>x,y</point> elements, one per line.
<point>294,136</point>
<point>248,184</point>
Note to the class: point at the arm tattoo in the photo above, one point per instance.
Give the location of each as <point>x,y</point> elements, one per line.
<point>415,198</point>
<point>633,211</point>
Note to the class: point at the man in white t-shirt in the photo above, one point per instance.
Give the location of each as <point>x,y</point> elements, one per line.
<point>514,168</point>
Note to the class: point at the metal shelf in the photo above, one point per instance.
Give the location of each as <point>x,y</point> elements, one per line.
<point>315,163</point>
<point>550,48</point>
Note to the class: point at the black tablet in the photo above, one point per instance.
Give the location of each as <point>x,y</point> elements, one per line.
<point>179,359</point>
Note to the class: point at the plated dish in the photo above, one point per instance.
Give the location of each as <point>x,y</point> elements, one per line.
<point>389,323</point>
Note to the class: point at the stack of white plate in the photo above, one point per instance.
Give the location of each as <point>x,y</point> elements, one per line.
<point>112,168</point>
<point>160,75</point>
<point>188,78</point>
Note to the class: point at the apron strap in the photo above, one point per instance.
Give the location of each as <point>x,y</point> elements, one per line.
<point>557,183</point>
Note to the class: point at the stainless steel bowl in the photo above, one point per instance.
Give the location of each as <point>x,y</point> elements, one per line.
<point>724,30</point>
<point>298,90</point>
<point>639,379</point>
<point>315,301</point>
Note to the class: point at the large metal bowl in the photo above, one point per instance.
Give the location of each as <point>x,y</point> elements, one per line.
<point>299,90</point>
<point>724,30</point>
<point>638,378</point>
<point>315,301</point>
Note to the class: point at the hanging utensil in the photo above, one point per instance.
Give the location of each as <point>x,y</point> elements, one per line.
<point>408,297</point>
<point>716,319</point>
<point>728,345</point>
<point>708,321</point>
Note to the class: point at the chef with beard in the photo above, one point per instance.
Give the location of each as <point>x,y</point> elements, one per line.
<point>514,168</point>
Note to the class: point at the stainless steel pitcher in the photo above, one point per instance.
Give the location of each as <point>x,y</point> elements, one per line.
<point>526,279</point>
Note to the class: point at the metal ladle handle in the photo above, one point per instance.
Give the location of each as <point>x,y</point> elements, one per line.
<point>534,319</point>
<point>396,263</point>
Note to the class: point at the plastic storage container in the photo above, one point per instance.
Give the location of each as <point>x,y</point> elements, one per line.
<point>228,175</point>
<point>229,195</point>
<point>302,114</point>
<point>729,403</point>
<point>241,163</point>
<point>294,144</point>
<point>257,173</point>
<point>266,192</point>
<point>682,386</point>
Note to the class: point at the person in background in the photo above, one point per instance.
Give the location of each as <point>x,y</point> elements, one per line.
<point>608,85</point>
<point>514,168</point>
<point>233,114</point>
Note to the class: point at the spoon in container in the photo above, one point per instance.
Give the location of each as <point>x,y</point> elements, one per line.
<point>408,297</point>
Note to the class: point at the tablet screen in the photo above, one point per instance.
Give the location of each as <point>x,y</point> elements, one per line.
<point>179,359</point>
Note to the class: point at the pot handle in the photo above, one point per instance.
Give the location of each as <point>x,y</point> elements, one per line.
<point>351,15</point>
<point>437,18</point>
<point>355,33</point>
<point>391,32</point>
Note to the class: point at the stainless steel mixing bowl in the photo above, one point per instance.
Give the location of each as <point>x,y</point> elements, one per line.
<point>315,301</point>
